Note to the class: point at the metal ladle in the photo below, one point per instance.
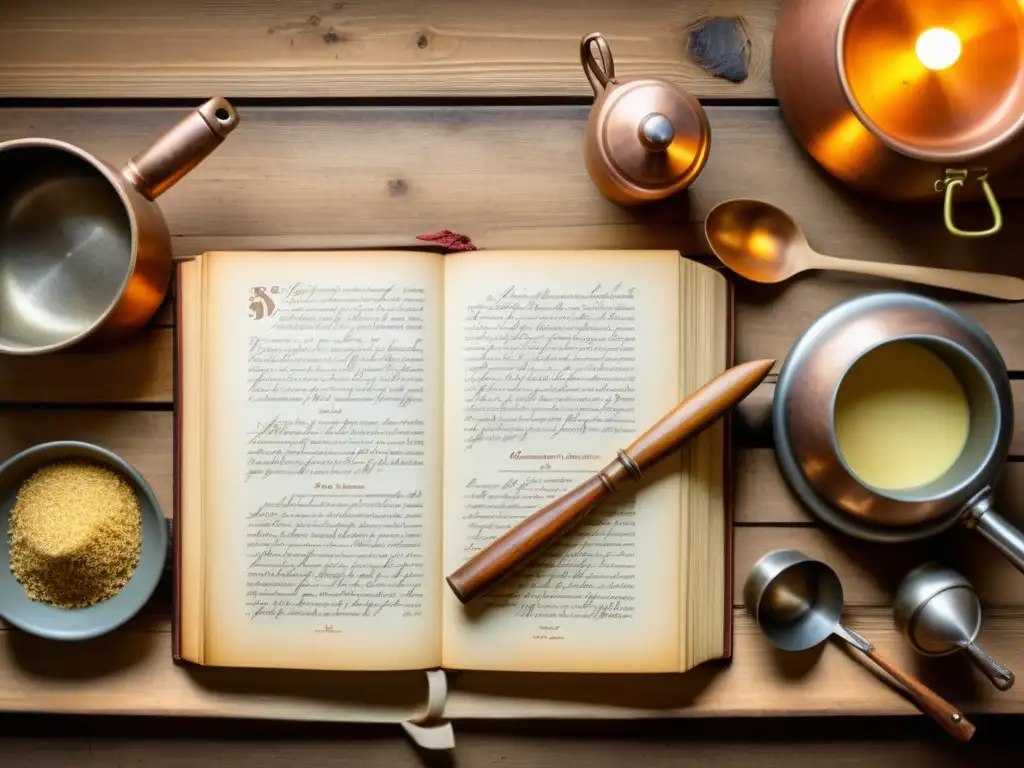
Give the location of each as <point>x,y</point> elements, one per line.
<point>797,602</point>
<point>939,612</point>
<point>762,243</point>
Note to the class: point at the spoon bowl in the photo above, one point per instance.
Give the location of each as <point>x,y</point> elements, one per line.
<point>756,240</point>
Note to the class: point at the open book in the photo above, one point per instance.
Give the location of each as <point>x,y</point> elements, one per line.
<point>353,425</point>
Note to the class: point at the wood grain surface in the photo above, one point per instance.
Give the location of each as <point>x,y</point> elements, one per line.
<point>366,123</point>
<point>373,48</point>
<point>130,669</point>
<point>318,177</point>
<point>101,742</point>
<point>511,177</point>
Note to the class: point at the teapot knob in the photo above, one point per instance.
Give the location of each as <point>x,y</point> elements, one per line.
<point>656,132</point>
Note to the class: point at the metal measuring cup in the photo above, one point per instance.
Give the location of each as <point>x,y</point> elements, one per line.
<point>797,602</point>
<point>939,612</point>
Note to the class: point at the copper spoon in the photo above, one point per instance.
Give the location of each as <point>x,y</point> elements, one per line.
<point>762,243</point>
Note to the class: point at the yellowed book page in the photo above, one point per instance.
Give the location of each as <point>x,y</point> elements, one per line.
<point>189,519</point>
<point>323,447</point>
<point>553,361</point>
<point>704,335</point>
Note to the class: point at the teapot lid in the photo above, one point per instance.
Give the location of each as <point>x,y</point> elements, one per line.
<point>650,133</point>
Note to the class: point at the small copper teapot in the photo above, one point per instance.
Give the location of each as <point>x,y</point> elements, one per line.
<point>646,139</point>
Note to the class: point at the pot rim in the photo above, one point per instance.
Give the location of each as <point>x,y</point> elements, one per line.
<point>118,182</point>
<point>885,138</point>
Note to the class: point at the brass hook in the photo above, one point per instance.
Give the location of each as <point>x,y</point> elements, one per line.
<point>956,177</point>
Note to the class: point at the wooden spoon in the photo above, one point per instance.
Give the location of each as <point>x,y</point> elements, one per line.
<point>762,243</point>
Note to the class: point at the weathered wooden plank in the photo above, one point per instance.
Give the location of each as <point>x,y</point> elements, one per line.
<point>889,742</point>
<point>893,742</point>
<point>346,186</point>
<point>759,681</point>
<point>136,370</point>
<point>370,48</point>
<point>130,671</point>
<point>319,177</point>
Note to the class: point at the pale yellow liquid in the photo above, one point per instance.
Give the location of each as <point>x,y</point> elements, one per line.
<point>901,417</point>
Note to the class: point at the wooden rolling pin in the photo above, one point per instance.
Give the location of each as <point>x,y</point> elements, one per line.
<point>513,549</point>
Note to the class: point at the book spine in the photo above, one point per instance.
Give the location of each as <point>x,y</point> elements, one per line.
<point>728,476</point>
<point>176,476</point>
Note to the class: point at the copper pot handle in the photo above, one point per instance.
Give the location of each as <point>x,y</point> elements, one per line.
<point>159,167</point>
<point>955,177</point>
<point>599,74</point>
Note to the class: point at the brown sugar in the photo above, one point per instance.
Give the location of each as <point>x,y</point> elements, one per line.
<point>75,534</point>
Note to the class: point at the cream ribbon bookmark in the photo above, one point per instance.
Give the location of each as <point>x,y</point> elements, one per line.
<point>432,731</point>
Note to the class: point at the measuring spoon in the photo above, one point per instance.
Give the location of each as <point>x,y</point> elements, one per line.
<point>797,602</point>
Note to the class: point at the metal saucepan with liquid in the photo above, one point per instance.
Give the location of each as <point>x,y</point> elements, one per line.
<point>804,423</point>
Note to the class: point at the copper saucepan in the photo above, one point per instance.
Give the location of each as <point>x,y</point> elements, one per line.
<point>84,250</point>
<point>804,428</point>
<point>906,99</point>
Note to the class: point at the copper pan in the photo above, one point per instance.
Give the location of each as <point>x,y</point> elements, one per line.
<point>804,429</point>
<point>854,89</point>
<point>85,253</point>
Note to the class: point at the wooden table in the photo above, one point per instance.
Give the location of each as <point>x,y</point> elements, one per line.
<point>366,119</point>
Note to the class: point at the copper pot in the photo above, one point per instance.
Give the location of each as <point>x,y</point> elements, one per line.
<point>906,99</point>
<point>85,252</point>
<point>645,138</point>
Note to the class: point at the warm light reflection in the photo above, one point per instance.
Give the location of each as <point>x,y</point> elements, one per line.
<point>686,151</point>
<point>761,245</point>
<point>846,145</point>
<point>936,75</point>
<point>938,48</point>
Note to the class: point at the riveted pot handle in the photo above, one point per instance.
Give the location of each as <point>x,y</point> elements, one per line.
<point>599,74</point>
<point>1001,677</point>
<point>159,167</point>
<point>955,177</point>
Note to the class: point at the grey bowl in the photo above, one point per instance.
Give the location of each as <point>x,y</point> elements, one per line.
<point>79,623</point>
